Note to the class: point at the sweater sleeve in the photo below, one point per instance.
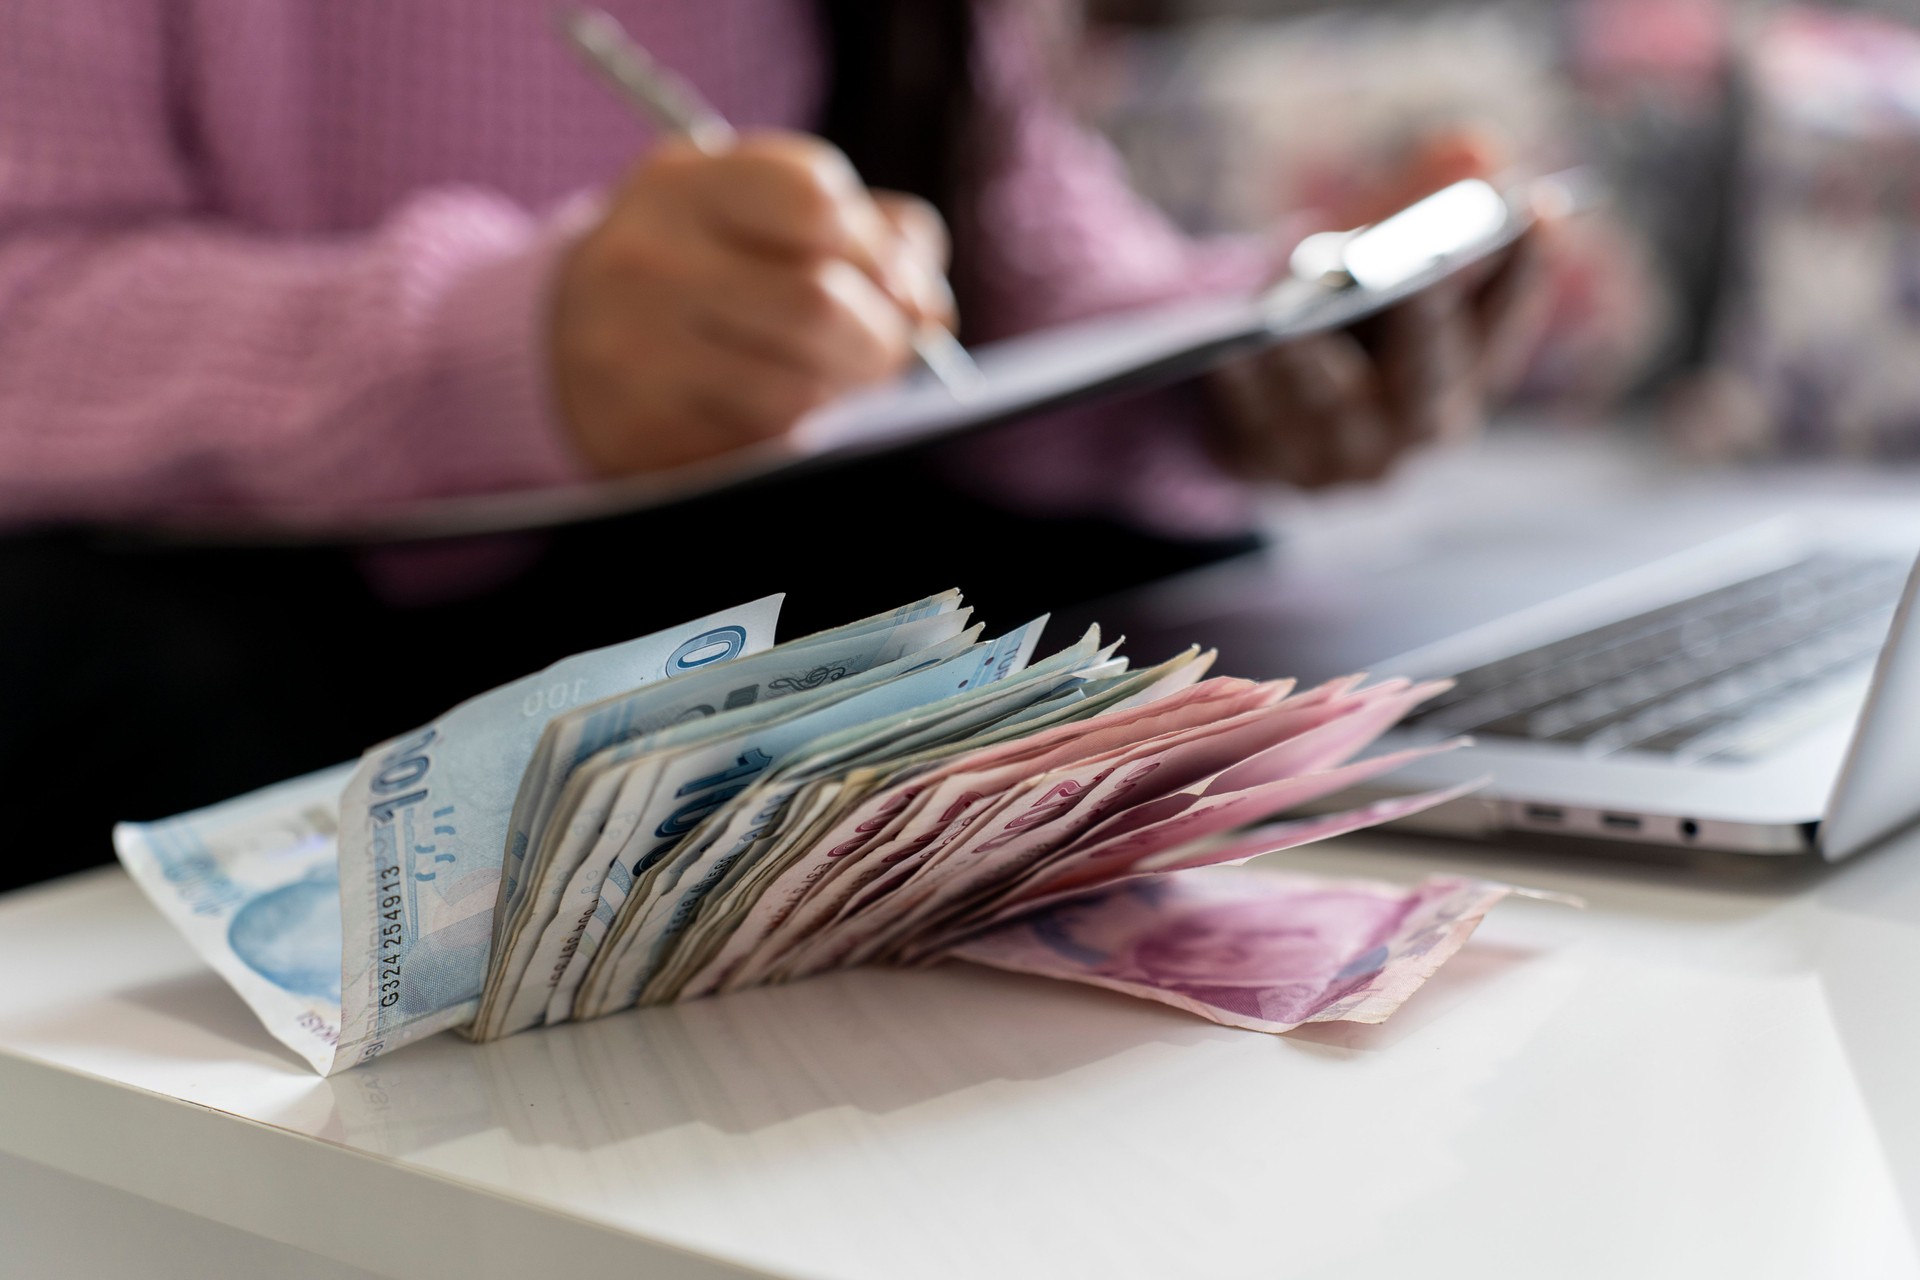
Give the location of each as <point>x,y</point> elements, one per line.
<point>156,360</point>
<point>1054,232</point>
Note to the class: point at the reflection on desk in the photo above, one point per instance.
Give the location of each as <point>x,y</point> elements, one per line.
<point>1693,1077</point>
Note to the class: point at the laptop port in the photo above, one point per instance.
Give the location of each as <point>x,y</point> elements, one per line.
<point>1689,828</point>
<point>1545,813</point>
<point>1619,822</point>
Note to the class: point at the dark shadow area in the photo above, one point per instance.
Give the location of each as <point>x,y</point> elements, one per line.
<point>205,1001</point>
<point>186,1009</point>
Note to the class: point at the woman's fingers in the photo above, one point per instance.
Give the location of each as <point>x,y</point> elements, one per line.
<point>1309,413</point>
<point>824,318</point>
<point>1412,355</point>
<point>778,194</point>
<point>723,297</point>
<point>1360,445</point>
<point>748,401</point>
<point>1431,356</point>
<point>1246,439</point>
<point>1511,310</point>
<point>921,251</point>
<point>792,196</point>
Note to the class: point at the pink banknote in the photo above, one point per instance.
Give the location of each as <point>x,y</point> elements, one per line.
<point>1253,949</point>
<point>1230,850</point>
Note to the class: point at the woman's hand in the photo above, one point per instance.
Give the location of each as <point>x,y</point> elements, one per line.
<point>721,298</point>
<point>1344,407</point>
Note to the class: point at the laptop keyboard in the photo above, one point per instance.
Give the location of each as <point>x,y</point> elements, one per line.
<point>1721,676</point>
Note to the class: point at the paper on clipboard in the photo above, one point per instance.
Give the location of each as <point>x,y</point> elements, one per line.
<point>1336,281</point>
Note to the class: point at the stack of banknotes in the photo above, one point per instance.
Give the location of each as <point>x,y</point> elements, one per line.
<point>700,810</point>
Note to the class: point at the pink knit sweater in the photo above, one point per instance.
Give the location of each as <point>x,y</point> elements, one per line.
<point>264,255</point>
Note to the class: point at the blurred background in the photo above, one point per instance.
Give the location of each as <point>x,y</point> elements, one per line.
<point>1748,286</point>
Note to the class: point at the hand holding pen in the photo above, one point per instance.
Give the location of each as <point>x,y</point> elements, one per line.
<point>734,284</point>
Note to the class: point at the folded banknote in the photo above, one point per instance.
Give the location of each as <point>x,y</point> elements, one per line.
<point>700,810</point>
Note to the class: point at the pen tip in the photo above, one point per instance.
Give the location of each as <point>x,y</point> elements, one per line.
<point>948,361</point>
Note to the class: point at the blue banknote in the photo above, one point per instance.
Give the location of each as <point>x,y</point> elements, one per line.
<point>254,885</point>
<point>424,821</point>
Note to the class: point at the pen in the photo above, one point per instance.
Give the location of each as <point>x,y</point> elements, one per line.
<point>678,106</point>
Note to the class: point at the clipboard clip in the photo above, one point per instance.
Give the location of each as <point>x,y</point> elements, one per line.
<point>1457,221</point>
<point>1451,221</point>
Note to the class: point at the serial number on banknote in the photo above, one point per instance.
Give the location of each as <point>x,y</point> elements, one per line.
<point>392,936</point>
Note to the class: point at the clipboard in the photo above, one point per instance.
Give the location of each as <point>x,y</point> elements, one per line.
<point>1336,279</point>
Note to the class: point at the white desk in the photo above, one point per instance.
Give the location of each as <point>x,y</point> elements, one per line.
<point>1695,1078</point>
<point>1690,1079</point>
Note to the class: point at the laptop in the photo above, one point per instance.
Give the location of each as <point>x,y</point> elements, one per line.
<point>1756,695</point>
